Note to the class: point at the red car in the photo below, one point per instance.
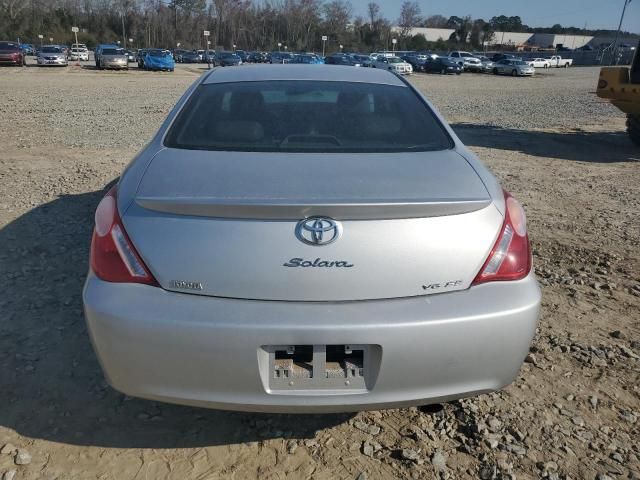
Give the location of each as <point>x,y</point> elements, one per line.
<point>11,54</point>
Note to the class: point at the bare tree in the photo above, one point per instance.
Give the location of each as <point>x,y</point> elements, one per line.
<point>374,13</point>
<point>435,21</point>
<point>336,18</point>
<point>409,17</point>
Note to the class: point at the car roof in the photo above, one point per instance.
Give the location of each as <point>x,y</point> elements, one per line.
<point>257,73</point>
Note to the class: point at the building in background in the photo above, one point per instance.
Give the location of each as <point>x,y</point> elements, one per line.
<point>431,34</point>
<point>523,41</point>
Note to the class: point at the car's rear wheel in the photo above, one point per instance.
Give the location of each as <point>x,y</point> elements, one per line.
<point>633,128</point>
<point>514,73</point>
<point>566,65</point>
<point>495,71</point>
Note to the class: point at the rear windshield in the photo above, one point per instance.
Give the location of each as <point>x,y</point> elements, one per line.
<point>9,47</point>
<point>159,53</point>
<point>307,116</point>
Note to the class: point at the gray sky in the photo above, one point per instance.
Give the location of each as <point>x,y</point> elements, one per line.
<point>535,13</point>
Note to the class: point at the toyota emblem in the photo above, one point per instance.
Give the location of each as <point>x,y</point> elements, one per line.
<point>318,231</point>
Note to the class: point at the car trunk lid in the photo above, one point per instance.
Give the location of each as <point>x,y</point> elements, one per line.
<point>225,224</point>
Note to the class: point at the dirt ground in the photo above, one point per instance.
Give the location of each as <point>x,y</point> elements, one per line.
<point>573,413</point>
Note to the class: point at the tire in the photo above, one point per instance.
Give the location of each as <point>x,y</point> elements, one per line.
<point>566,65</point>
<point>633,128</point>
<point>514,73</point>
<point>495,71</point>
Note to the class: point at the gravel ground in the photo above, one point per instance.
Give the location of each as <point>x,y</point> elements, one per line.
<point>572,413</point>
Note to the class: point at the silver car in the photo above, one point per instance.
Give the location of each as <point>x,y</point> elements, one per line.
<point>51,55</point>
<point>307,239</point>
<point>515,68</point>
<point>115,58</point>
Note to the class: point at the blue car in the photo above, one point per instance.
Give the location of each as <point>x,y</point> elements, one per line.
<point>157,59</point>
<point>28,49</point>
<point>308,59</point>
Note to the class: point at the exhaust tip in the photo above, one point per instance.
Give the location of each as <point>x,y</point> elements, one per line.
<point>431,409</point>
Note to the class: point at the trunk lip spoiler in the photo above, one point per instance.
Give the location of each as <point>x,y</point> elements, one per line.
<point>261,209</point>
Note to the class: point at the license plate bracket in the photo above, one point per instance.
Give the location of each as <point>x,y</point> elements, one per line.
<point>319,368</point>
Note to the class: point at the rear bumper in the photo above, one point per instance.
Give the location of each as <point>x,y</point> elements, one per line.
<point>59,62</point>
<point>206,351</point>
<point>11,61</point>
<point>115,66</point>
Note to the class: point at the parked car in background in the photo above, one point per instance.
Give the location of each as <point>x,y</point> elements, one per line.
<point>98,52</point>
<point>177,54</point>
<point>487,63</point>
<point>210,56</point>
<point>79,54</point>
<point>257,57</point>
<point>243,54</point>
<point>375,56</point>
<point>395,64</point>
<point>363,60</point>
<point>539,63</point>
<point>468,61</point>
<point>28,49</point>
<point>159,60</point>
<point>190,57</point>
<point>416,60</point>
<point>12,54</point>
<point>52,55</point>
<point>280,57</point>
<point>131,56</point>
<point>559,62</point>
<point>226,59</point>
<point>217,281</point>
<point>307,58</point>
<point>341,59</point>
<point>114,58</point>
<point>504,56</point>
<point>442,65</point>
<point>515,68</point>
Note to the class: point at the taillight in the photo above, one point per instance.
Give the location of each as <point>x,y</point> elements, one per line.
<point>510,258</point>
<point>113,256</point>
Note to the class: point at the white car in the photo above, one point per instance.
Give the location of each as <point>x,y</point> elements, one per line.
<point>395,64</point>
<point>79,54</point>
<point>559,62</point>
<point>539,63</point>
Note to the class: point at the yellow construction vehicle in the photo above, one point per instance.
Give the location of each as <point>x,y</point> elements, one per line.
<point>621,85</point>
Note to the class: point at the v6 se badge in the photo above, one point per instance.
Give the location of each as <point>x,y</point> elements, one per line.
<point>440,286</point>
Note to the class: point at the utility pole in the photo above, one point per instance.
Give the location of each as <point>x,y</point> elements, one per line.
<point>124,37</point>
<point>614,54</point>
